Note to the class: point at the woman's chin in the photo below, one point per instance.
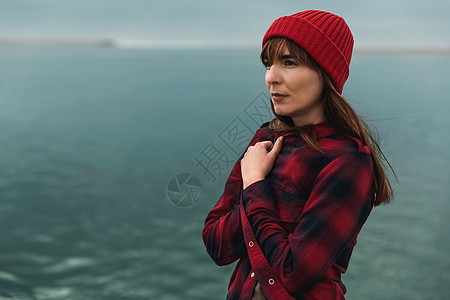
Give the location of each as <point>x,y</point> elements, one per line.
<point>281,112</point>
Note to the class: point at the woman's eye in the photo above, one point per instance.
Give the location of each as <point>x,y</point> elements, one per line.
<point>290,63</point>
<point>266,64</point>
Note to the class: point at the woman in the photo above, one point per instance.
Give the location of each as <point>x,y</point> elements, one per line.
<point>295,202</point>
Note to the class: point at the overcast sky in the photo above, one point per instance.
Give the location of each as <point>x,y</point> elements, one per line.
<point>373,23</point>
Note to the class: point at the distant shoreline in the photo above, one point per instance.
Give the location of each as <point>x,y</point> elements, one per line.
<point>56,42</point>
<point>174,45</point>
<point>403,50</point>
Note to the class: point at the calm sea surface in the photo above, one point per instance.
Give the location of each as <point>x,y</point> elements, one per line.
<point>91,139</point>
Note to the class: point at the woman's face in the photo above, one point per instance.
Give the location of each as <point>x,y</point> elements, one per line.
<point>296,90</point>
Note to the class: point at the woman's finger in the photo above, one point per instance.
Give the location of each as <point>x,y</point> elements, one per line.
<point>277,147</point>
<point>267,145</point>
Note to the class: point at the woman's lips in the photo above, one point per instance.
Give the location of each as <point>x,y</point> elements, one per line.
<point>278,97</point>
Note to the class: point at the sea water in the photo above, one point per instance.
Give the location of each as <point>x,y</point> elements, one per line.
<point>95,141</point>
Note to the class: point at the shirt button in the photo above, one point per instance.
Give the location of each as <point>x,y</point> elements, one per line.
<point>250,243</point>
<point>252,275</point>
<point>271,281</point>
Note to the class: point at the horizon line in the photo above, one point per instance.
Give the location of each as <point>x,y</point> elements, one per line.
<point>198,45</point>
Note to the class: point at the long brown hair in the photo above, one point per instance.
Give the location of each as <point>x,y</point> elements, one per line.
<point>338,112</point>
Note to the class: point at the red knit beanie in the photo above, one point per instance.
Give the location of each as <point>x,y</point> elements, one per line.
<point>323,35</point>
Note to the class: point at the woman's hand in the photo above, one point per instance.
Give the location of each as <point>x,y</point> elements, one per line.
<point>258,161</point>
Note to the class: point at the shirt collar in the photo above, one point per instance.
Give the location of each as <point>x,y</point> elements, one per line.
<point>322,129</point>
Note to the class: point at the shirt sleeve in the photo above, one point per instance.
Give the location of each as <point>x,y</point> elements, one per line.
<point>222,233</point>
<point>338,206</point>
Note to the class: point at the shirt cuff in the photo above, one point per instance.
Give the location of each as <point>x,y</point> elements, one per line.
<point>258,197</point>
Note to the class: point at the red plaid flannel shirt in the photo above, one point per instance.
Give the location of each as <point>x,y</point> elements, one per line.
<point>295,230</point>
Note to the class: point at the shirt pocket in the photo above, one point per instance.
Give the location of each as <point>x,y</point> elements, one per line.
<point>290,205</point>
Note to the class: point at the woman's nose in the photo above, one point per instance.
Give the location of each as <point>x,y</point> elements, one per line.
<point>273,74</point>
